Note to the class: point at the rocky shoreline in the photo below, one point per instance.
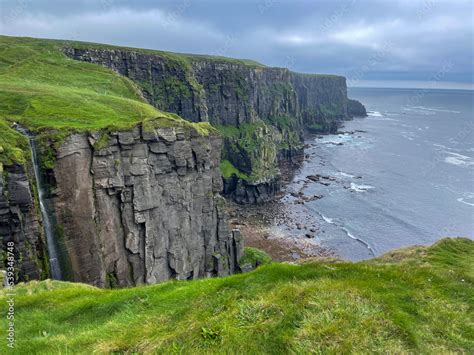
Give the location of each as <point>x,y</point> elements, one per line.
<point>263,225</point>
<point>256,224</point>
<point>282,227</point>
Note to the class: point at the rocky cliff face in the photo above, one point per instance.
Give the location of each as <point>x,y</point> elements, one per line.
<point>230,93</point>
<point>356,109</point>
<point>224,92</point>
<point>143,207</point>
<point>322,101</point>
<point>19,223</point>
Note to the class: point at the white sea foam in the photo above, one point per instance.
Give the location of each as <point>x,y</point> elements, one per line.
<point>459,159</point>
<point>327,219</point>
<point>349,234</point>
<point>419,111</point>
<point>352,236</point>
<point>336,139</point>
<point>445,148</point>
<point>360,188</point>
<point>467,199</point>
<point>383,118</point>
<point>378,116</point>
<point>435,109</point>
<point>374,114</point>
<point>341,173</point>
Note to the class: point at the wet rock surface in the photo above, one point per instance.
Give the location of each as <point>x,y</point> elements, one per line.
<point>19,223</point>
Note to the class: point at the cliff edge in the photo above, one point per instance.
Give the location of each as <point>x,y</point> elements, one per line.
<point>119,192</point>
<point>262,112</point>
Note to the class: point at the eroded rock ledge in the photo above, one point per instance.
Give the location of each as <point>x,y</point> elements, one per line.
<point>144,208</point>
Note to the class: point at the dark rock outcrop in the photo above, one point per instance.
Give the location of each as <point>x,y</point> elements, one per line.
<point>19,223</point>
<point>356,109</point>
<point>144,208</point>
<point>244,192</point>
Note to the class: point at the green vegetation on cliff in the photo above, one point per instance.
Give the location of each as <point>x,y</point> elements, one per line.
<point>415,300</point>
<point>228,169</point>
<point>253,147</point>
<point>254,257</point>
<point>46,91</point>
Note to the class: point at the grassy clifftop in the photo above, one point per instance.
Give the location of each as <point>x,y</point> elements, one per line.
<point>413,300</point>
<point>44,90</point>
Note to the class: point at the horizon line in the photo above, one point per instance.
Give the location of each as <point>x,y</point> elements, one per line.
<point>412,84</point>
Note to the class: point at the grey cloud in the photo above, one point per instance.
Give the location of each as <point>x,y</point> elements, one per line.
<point>409,40</point>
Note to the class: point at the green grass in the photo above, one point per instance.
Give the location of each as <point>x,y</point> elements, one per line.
<point>46,91</point>
<point>220,59</point>
<point>254,257</point>
<point>227,170</point>
<point>314,75</point>
<point>417,300</point>
<point>170,55</point>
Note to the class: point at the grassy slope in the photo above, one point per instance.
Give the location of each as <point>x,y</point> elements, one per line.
<point>43,89</point>
<point>414,300</point>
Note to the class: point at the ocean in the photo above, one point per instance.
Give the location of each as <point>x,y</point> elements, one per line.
<point>402,176</point>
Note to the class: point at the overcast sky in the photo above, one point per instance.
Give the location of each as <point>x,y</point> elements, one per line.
<point>425,40</point>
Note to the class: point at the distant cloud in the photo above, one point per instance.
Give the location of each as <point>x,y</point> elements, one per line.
<point>406,40</point>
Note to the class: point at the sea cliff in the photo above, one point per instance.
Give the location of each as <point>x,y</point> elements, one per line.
<point>130,188</point>
<point>270,107</point>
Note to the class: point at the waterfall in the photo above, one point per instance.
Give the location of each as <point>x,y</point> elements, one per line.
<point>54,265</point>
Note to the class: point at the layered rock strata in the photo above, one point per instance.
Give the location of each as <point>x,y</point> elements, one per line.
<point>143,208</point>
<point>229,92</point>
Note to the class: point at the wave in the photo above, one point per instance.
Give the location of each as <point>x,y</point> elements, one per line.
<point>419,111</point>
<point>374,114</point>
<point>336,139</point>
<point>360,188</point>
<point>468,199</point>
<point>349,234</point>
<point>341,173</point>
<point>442,146</point>
<point>327,219</point>
<point>435,109</point>
<point>377,116</point>
<point>445,149</point>
<point>459,159</point>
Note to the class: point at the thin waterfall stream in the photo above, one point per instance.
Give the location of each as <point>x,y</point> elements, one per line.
<point>54,264</point>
